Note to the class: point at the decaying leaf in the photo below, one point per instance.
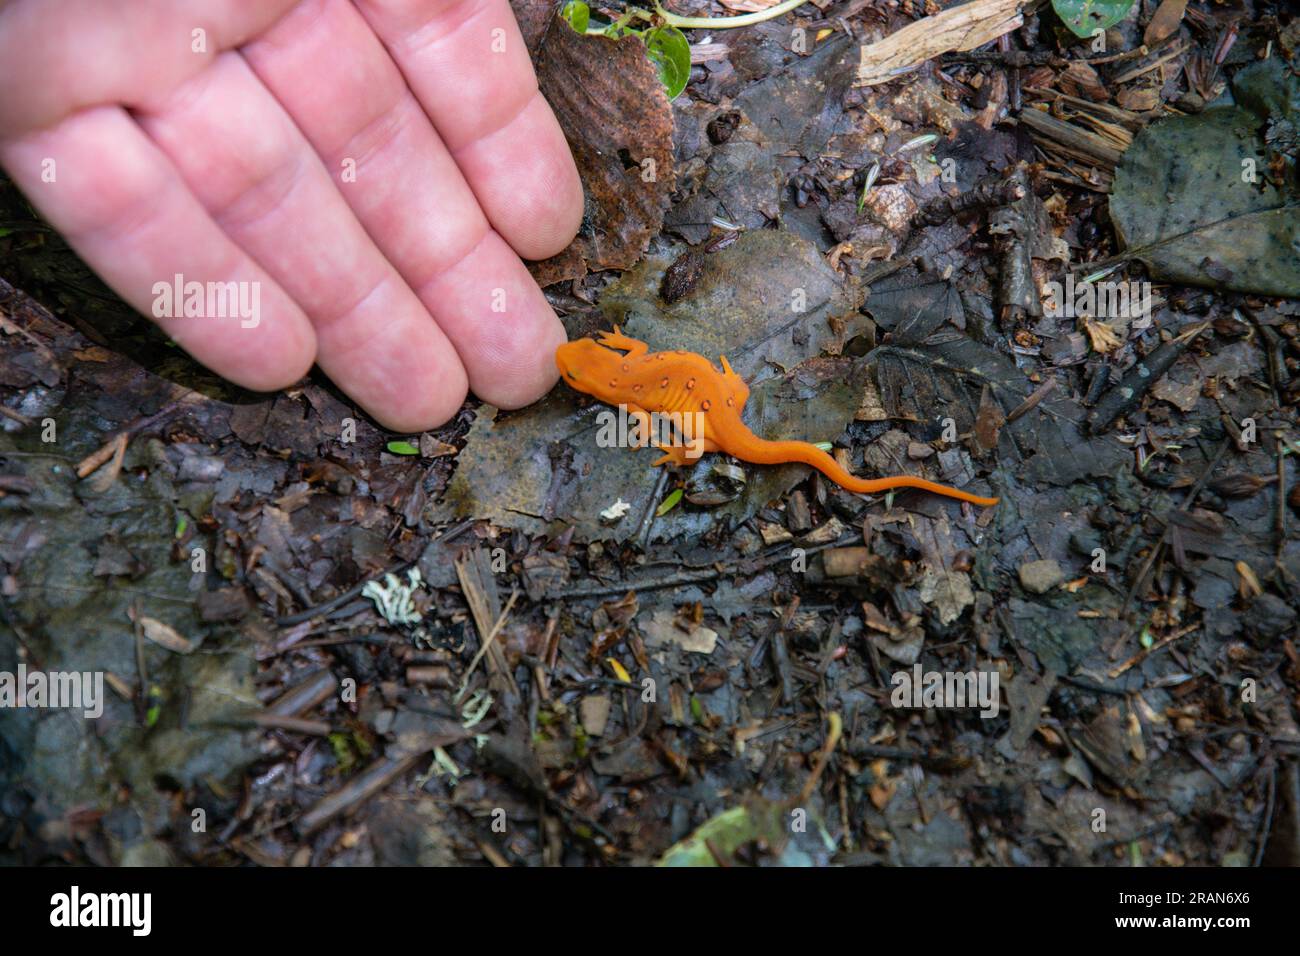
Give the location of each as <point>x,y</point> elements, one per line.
<point>1164,21</point>
<point>542,465</point>
<point>929,373</point>
<point>164,635</point>
<point>611,105</point>
<point>1195,197</point>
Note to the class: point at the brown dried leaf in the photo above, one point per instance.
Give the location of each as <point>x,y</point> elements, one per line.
<point>1166,20</point>
<point>1081,80</point>
<point>988,422</point>
<point>1102,335</point>
<point>165,635</point>
<point>615,114</point>
<point>1248,586</point>
<point>534,17</point>
<point>665,628</point>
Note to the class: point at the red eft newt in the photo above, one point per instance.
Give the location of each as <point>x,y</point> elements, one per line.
<point>620,370</point>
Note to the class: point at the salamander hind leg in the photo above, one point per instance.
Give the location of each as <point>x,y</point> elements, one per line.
<point>739,389</point>
<point>673,455</point>
<point>681,455</point>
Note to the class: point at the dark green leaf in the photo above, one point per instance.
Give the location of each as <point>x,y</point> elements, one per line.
<point>1195,197</point>
<point>1085,17</point>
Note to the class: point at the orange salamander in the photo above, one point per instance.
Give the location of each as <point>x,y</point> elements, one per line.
<point>620,370</point>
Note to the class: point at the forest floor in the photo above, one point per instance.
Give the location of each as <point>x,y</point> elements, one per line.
<point>736,666</point>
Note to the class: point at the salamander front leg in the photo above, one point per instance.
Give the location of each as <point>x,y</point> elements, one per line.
<point>635,348</point>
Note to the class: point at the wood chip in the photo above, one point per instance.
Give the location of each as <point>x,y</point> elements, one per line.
<point>960,28</point>
<point>165,636</point>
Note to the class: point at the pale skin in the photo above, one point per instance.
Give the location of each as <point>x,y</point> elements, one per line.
<point>227,163</point>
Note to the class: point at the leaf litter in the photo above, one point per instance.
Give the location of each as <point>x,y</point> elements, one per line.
<point>1142,560</point>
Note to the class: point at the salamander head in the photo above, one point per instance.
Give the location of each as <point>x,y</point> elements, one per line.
<point>585,365</point>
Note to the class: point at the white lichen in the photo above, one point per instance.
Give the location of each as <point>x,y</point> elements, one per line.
<point>475,709</point>
<point>393,599</point>
<point>616,511</point>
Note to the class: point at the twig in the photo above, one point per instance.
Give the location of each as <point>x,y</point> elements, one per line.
<point>651,511</point>
<point>1269,340</point>
<point>487,644</point>
<point>781,652</point>
<point>1077,141</point>
<point>696,577</point>
<point>21,419</point>
<point>142,669</point>
<point>1029,403</point>
<point>110,448</point>
<point>706,23</point>
<point>1141,377</point>
<point>1148,67</point>
<point>832,738</point>
<point>1164,535</point>
<point>322,609</point>
<point>358,789</point>
<point>1148,651</point>
<point>295,725</point>
<point>1094,688</point>
<point>1281,499</point>
<point>479,590</point>
<point>1266,825</point>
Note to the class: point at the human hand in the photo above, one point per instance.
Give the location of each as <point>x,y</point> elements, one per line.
<point>368,173</point>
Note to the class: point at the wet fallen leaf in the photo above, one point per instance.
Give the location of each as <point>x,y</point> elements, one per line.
<point>929,372</point>
<point>1195,200</point>
<point>542,464</point>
